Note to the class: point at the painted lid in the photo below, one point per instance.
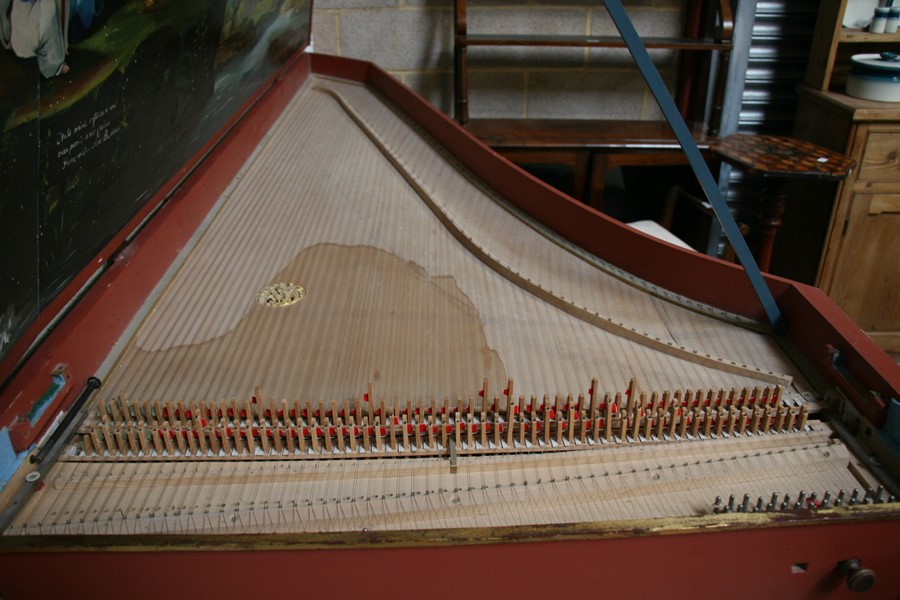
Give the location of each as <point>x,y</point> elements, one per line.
<point>886,62</point>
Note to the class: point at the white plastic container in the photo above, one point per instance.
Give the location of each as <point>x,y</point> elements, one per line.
<point>875,77</point>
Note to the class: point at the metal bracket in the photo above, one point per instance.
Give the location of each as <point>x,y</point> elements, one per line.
<point>870,404</point>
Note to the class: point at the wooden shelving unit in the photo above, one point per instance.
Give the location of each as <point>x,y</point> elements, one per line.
<point>709,28</point>
<point>592,147</point>
<point>833,44</point>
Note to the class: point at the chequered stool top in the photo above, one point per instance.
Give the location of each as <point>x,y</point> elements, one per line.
<point>783,156</point>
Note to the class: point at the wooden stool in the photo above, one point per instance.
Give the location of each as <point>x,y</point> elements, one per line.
<point>779,159</point>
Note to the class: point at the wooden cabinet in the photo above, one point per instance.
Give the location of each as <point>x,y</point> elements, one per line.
<point>860,264</point>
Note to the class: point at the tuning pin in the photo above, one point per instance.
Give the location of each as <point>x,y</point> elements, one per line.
<point>869,497</point>
<point>717,505</point>
<point>730,507</point>
<point>745,503</point>
<point>854,497</point>
<point>839,501</point>
<point>787,502</point>
<point>759,505</point>
<point>801,500</point>
<point>826,500</point>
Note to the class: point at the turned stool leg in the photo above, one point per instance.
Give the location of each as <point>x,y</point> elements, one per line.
<point>773,203</point>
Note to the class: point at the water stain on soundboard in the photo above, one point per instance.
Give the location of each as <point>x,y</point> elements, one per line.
<point>367,316</point>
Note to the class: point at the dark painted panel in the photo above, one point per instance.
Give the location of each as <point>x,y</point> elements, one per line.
<point>86,145</point>
<point>19,179</point>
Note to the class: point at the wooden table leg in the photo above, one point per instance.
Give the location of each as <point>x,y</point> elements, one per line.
<point>773,203</point>
<point>581,168</point>
<point>599,168</point>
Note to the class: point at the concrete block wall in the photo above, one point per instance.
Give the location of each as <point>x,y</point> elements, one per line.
<point>413,40</point>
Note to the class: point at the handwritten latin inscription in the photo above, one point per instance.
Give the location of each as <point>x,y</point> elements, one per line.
<point>77,141</point>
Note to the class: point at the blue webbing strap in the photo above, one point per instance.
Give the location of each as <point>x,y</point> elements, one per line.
<point>699,166</point>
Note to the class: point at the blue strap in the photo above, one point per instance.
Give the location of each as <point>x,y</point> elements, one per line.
<point>699,166</point>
